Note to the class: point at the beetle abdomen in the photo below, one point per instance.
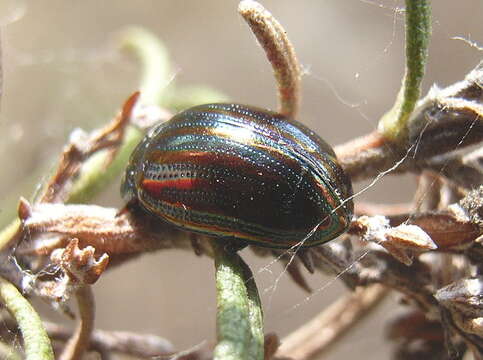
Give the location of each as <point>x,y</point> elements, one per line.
<point>236,171</point>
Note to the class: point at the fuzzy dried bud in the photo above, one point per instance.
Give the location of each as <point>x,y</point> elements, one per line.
<point>279,51</point>
<point>402,241</point>
<point>450,230</point>
<point>81,266</point>
<point>473,205</point>
<point>463,299</point>
<point>410,237</point>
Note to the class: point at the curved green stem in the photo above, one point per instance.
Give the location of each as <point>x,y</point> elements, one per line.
<point>154,60</point>
<point>155,76</point>
<point>239,316</point>
<point>395,123</point>
<point>36,342</point>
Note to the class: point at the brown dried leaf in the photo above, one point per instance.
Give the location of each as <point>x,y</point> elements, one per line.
<point>81,147</point>
<point>402,241</point>
<point>410,237</point>
<point>447,230</point>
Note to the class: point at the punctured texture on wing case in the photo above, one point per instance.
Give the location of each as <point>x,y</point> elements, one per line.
<point>237,171</point>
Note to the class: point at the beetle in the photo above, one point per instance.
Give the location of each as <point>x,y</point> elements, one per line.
<point>244,173</point>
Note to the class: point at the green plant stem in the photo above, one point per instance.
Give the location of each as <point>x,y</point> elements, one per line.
<point>395,123</point>
<point>156,74</point>
<point>239,315</point>
<point>154,60</point>
<point>36,342</point>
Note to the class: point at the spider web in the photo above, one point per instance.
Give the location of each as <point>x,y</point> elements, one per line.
<point>96,59</point>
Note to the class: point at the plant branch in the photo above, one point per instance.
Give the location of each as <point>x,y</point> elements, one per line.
<point>79,150</point>
<point>331,325</point>
<point>445,120</point>
<point>95,175</point>
<point>79,343</point>
<point>123,342</point>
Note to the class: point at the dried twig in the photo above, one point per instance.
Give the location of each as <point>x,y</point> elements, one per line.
<point>76,153</point>
<point>129,343</point>
<point>79,342</point>
<point>442,123</point>
<point>316,336</point>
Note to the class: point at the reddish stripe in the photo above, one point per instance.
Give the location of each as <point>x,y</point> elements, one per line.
<point>155,187</point>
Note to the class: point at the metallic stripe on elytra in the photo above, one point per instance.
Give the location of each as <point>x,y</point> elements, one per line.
<point>210,222</point>
<point>299,142</point>
<point>231,144</point>
<point>253,156</point>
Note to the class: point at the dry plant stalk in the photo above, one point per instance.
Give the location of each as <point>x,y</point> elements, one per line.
<point>316,336</point>
<point>430,251</point>
<point>279,51</point>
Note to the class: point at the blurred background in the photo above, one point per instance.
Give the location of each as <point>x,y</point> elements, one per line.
<point>62,70</point>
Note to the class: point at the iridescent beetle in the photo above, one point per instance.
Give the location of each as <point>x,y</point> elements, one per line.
<point>239,172</point>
